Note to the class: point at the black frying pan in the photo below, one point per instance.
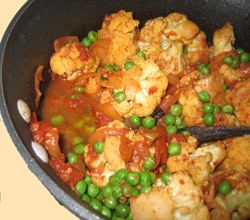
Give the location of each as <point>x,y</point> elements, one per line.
<point>28,42</point>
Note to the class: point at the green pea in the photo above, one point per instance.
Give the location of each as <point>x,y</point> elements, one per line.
<point>153,177</point>
<point>87,179</point>
<point>94,203</point>
<point>98,147</point>
<point>129,217</point>
<point>171,129</point>
<point>165,177</point>
<point>154,127</point>
<point>146,189</point>
<point>133,178</point>
<point>174,149</point>
<point>244,57</point>
<point>85,198</point>
<point>79,149</point>
<point>92,36</point>
<point>77,140</point>
<point>224,187</point>
<point>186,132</point>
<point>209,65</point>
<point>141,54</point>
<point>208,107</point>
<point>112,181</point>
<point>185,50</point>
<point>204,96</point>
<point>178,121</point>
<point>79,123</point>
<point>90,129</point>
<point>236,62</point>
<point>208,119</point>
<point>129,65</point>
<point>176,109</point>
<point>93,190</point>
<point>86,42</point>
<point>127,189</point>
<point>117,192</point>
<point>79,89</point>
<point>201,66</point>
<point>111,202</point>
<point>148,122</point>
<point>225,86</point>
<point>169,119</point>
<point>181,126</point>
<point>149,163</point>
<point>100,196</point>
<point>72,158</point>
<point>136,120</point>
<point>106,211</point>
<point>227,108</point>
<point>145,179</point>
<point>227,60</point>
<point>205,70</point>
<point>121,175</point>
<point>114,216</point>
<point>57,119</point>
<point>136,192</point>
<point>73,97</point>
<point>122,210</point>
<point>216,109</point>
<point>120,96</point>
<point>240,50</point>
<point>108,67</point>
<point>107,191</point>
<point>81,187</point>
<point>99,68</point>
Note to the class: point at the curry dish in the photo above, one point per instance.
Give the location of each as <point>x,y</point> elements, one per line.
<point>99,128</point>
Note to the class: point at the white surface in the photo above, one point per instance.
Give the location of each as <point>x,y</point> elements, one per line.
<point>22,195</point>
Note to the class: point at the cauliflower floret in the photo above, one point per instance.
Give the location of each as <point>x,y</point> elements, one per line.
<point>120,27</point>
<point>171,60</point>
<point>188,197</point>
<point>238,200</point>
<point>217,151</point>
<point>143,89</point>
<point>230,75</point>
<point>239,98</point>
<point>238,151</point>
<point>198,51</point>
<point>223,39</point>
<point>213,84</point>
<point>154,205</point>
<point>180,199</point>
<point>72,59</point>
<point>180,28</point>
<point>177,163</point>
<point>122,149</point>
<point>192,113</point>
<point>152,30</point>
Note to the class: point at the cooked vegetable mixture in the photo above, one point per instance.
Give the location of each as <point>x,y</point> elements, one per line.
<point>104,141</point>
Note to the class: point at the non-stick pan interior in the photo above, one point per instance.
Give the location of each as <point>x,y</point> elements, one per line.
<point>28,42</point>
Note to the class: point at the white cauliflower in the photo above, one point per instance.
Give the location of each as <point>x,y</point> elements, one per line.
<point>238,154</point>
<point>231,76</point>
<point>180,199</point>
<point>198,51</point>
<point>122,149</point>
<point>121,29</point>
<point>180,28</point>
<point>143,88</point>
<point>239,98</point>
<point>223,39</point>
<point>237,202</point>
<point>72,59</point>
